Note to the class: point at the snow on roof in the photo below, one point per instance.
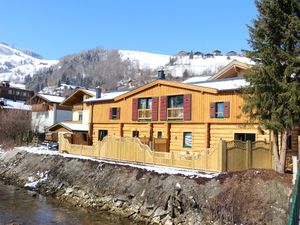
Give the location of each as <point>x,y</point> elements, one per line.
<point>10,104</point>
<point>196,79</point>
<point>106,96</point>
<point>93,93</point>
<point>223,84</point>
<point>52,98</point>
<point>75,126</point>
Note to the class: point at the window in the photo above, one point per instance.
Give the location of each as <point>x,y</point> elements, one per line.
<point>80,116</point>
<point>159,134</point>
<point>102,134</point>
<point>175,107</point>
<point>10,92</point>
<point>219,109</point>
<point>244,136</point>
<point>84,137</point>
<point>145,108</point>
<point>114,113</point>
<point>135,133</point>
<point>187,139</point>
<point>24,94</point>
<point>18,93</point>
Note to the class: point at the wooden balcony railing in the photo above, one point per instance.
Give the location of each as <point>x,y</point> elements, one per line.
<point>144,114</point>
<point>175,113</point>
<point>40,107</point>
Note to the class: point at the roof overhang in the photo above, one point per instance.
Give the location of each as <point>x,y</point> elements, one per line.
<point>74,97</point>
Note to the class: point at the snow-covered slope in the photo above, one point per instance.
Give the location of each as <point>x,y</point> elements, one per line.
<point>145,60</point>
<point>15,65</point>
<point>198,65</point>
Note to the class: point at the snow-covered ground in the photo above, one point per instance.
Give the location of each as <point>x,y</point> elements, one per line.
<point>152,168</point>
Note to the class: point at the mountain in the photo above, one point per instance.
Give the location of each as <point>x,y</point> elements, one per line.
<point>176,65</point>
<point>16,64</point>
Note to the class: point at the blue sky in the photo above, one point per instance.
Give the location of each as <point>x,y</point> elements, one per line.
<point>54,28</point>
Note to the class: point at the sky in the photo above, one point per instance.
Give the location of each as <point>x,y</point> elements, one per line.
<point>55,28</point>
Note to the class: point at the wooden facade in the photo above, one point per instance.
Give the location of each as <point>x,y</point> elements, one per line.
<point>195,121</point>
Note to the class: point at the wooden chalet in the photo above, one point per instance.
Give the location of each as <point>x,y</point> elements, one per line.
<point>14,93</point>
<point>76,129</point>
<point>172,116</point>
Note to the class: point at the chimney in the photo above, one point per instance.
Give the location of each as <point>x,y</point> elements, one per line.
<point>98,92</point>
<point>161,75</point>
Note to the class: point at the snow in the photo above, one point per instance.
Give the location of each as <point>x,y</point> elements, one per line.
<point>196,79</point>
<point>10,104</point>
<point>224,84</point>
<point>75,126</point>
<point>16,64</point>
<point>145,60</point>
<point>152,168</point>
<point>33,182</point>
<point>106,96</point>
<point>52,98</point>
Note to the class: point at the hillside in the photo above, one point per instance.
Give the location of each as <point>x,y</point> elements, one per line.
<point>111,69</point>
<point>15,65</point>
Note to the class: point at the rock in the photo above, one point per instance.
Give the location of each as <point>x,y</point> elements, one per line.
<point>160,212</point>
<point>178,187</point>
<point>69,191</point>
<point>122,198</point>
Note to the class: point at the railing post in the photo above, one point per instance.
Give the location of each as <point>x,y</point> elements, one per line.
<point>193,160</point>
<point>248,154</point>
<point>222,156</point>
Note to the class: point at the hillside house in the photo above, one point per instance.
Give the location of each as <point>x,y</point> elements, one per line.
<point>77,127</point>
<point>217,53</point>
<point>172,116</point>
<point>9,92</point>
<point>46,111</point>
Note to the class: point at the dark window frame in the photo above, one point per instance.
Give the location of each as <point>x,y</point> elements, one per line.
<point>245,137</point>
<point>102,134</point>
<point>217,111</point>
<point>114,113</point>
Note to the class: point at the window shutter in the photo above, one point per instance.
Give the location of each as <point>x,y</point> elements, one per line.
<point>154,108</point>
<point>118,113</point>
<point>135,109</point>
<point>226,109</point>
<point>163,107</point>
<point>187,107</point>
<point>212,110</point>
<point>110,113</point>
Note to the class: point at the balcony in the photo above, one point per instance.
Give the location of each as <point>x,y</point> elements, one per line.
<point>145,114</point>
<point>175,113</point>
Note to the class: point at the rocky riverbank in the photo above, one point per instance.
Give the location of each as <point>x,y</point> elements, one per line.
<point>248,197</point>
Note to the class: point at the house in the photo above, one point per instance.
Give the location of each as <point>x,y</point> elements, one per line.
<point>77,127</point>
<point>46,111</point>
<point>173,116</point>
<point>231,53</point>
<point>217,53</point>
<point>9,92</point>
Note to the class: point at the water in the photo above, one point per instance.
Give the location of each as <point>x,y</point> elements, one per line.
<point>20,206</point>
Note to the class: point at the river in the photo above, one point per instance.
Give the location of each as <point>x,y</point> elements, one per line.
<point>20,206</point>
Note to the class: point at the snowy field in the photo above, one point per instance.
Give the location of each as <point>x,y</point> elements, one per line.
<point>151,168</point>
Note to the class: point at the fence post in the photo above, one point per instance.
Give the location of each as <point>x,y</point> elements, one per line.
<point>144,155</point>
<point>248,154</point>
<point>271,155</point>
<point>222,156</point>
<point>193,160</point>
<point>81,147</point>
<point>172,158</point>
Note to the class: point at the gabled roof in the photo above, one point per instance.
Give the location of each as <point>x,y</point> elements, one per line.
<point>76,96</point>
<point>49,98</point>
<point>106,96</point>
<point>69,126</point>
<point>227,84</point>
<point>167,83</point>
<point>230,70</point>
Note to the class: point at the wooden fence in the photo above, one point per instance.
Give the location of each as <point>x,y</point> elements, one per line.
<point>223,156</point>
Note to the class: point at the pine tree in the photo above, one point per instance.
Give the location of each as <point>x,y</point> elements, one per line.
<point>273,95</point>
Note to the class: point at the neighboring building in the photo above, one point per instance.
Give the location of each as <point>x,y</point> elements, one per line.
<point>231,53</point>
<point>46,111</point>
<point>14,93</point>
<point>78,126</point>
<point>172,116</point>
<point>217,53</point>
